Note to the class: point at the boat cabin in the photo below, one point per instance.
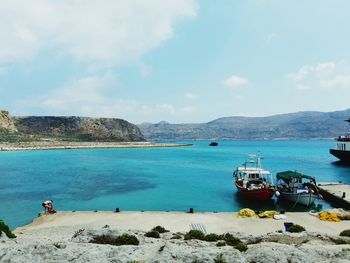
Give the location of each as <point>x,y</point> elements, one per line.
<point>253,177</point>
<point>343,142</point>
<point>296,182</point>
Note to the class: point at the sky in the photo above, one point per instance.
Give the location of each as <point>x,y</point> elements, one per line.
<point>179,61</point>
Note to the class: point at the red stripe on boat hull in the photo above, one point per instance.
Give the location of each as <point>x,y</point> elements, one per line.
<point>259,195</point>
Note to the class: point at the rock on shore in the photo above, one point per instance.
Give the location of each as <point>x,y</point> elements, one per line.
<point>75,247</point>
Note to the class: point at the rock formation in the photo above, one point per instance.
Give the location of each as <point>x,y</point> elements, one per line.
<point>75,247</point>
<point>70,128</point>
<point>6,122</point>
<point>82,128</point>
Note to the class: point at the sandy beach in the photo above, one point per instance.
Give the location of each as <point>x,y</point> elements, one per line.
<point>69,237</point>
<point>60,145</point>
<point>179,222</point>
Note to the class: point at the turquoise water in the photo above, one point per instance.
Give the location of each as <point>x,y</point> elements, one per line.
<point>148,179</point>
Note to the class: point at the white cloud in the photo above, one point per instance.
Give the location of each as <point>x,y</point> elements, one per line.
<point>97,96</point>
<point>323,75</point>
<point>270,37</point>
<point>188,109</point>
<point>80,96</point>
<point>319,70</point>
<point>3,71</point>
<point>301,74</point>
<point>145,70</point>
<point>324,69</point>
<point>105,31</point>
<point>165,107</point>
<point>340,81</point>
<point>235,81</point>
<point>303,87</point>
<point>190,96</point>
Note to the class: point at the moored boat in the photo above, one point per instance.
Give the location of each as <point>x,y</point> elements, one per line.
<point>213,144</point>
<point>296,187</point>
<point>253,182</point>
<point>342,150</point>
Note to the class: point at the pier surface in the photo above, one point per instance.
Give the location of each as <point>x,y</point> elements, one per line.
<point>337,194</point>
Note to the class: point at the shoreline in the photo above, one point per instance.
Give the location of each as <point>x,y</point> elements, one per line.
<point>180,222</point>
<point>59,145</point>
<point>72,237</point>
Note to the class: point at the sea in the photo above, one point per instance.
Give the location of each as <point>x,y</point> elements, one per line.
<point>152,179</point>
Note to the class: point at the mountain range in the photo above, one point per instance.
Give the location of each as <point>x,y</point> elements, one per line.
<point>299,125</point>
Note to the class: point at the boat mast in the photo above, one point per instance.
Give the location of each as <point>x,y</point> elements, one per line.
<point>259,158</point>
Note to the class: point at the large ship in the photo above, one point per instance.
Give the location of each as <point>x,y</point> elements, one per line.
<point>342,149</point>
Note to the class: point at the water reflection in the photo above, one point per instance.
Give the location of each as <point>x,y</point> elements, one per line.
<point>341,164</point>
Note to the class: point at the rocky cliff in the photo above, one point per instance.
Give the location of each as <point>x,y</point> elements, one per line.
<point>71,128</point>
<point>82,128</point>
<point>6,122</point>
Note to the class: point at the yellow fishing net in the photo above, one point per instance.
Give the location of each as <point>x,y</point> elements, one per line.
<point>246,212</point>
<point>341,213</point>
<point>330,217</point>
<point>267,214</point>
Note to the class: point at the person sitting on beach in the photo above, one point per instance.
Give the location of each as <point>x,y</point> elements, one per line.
<point>51,210</point>
<point>47,206</point>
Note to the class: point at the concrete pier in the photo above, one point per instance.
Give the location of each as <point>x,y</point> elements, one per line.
<point>338,194</point>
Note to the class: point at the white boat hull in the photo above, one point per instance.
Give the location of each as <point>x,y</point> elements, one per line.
<point>302,198</point>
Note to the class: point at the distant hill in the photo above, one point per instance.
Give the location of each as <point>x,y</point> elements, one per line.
<point>299,125</point>
<point>67,128</point>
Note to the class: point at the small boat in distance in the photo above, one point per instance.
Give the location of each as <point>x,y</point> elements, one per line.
<point>296,187</point>
<point>213,144</point>
<point>253,182</point>
<point>342,150</point>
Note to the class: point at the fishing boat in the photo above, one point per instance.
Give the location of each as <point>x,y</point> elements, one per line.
<point>342,149</point>
<point>252,181</point>
<point>296,187</point>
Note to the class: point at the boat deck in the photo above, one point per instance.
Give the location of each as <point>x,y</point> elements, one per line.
<point>338,194</point>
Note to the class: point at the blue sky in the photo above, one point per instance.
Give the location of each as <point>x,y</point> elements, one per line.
<point>174,60</point>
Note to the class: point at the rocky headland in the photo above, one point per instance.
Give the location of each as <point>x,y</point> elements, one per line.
<point>69,128</point>
<point>50,132</point>
<point>81,128</point>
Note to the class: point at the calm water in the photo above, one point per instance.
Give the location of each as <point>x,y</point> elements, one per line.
<point>148,179</point>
